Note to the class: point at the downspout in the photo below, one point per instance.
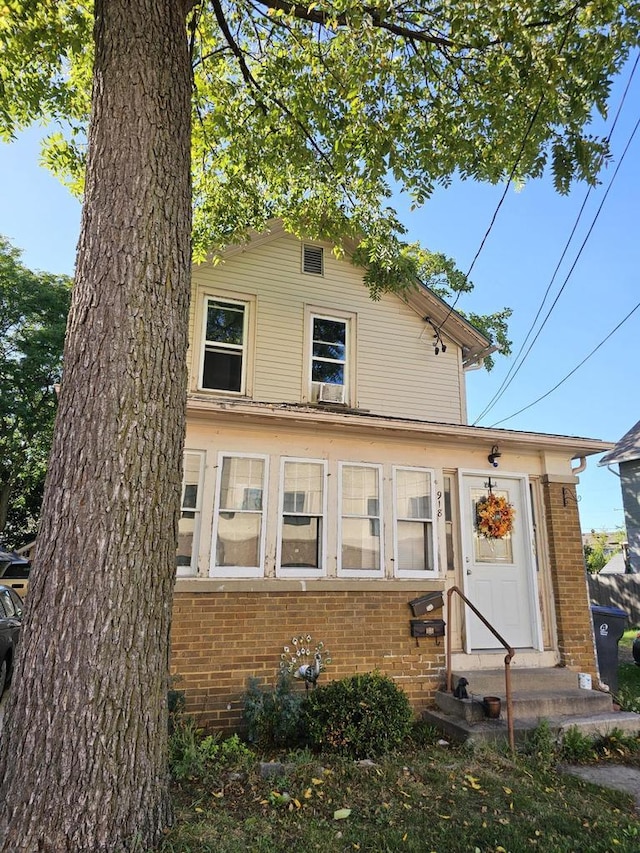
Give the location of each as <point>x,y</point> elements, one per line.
<point>580,467</point>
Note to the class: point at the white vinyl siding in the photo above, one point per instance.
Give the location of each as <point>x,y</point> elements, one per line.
<point>396,373</point>
<point>239,528</point>
<point>360,515</point>
<point>415,545</point>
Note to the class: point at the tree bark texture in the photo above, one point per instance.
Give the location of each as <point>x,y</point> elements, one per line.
<point>5,494</point>
<point>83,753</point>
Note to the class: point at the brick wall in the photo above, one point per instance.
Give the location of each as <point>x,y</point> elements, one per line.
<point>220,639</point>
<point>572,611</point>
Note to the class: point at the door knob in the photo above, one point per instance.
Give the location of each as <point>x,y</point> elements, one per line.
<point>469,572</point>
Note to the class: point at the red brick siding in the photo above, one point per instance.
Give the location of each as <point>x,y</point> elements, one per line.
<point>572,611</point>
<point>220,639</point>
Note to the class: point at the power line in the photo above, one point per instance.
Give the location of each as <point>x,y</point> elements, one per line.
<point>506,381</point>
<point>567,277</point>
<point>509,180</point>
<point>577,367</point>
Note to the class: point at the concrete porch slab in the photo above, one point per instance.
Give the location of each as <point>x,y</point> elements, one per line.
<point>494,731</point>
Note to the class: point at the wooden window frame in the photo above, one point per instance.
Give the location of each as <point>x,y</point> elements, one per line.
<point>239,571</point>
<point>361,573</point>
<point>302,571</point>
<point>247,307</point>
<point>415,573</point>
<point>192,569</point>
<point>312,312</point>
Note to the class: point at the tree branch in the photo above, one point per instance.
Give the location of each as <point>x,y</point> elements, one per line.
<point>251,81</point>
<point>248,77</point>
<point>317,16</point>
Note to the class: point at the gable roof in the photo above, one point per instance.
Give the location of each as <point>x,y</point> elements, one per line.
<point>474,344</point>
<point>626,450</point>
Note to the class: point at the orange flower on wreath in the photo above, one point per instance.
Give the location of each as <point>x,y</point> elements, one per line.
<point>494,517</point>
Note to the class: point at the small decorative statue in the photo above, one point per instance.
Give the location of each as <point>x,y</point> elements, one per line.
<point>310,672</point>
<point>460,691</point>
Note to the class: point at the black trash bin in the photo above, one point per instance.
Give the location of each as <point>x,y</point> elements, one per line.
<point>608,624</point>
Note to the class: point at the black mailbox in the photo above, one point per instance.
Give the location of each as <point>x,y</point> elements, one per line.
<point>427,627</point>
<point>426,603</point>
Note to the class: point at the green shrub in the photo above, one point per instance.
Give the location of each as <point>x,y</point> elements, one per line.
<point>577,746</point>
<point>195,755</point>
<point>273,714</point>
<point>191,754</point>
<point>541,745</point>
<point>176,703</point>
<point>234,753</point>
<point>424,734</point>
<point>362,716</point>
<point>617,744</point>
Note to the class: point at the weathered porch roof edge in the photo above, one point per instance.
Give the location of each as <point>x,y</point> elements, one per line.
<point>364,422</point>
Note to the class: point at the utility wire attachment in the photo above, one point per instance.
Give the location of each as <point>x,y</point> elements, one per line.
<point>438,344</point>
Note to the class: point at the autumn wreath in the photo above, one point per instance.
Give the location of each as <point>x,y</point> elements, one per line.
<point>494,517</point>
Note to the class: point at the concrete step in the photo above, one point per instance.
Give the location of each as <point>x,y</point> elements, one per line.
<point>550,694</point>
<point>490,682</point>
<point>495,731</point>
<point>529,705</point>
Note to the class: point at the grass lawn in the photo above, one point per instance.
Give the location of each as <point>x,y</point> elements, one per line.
<point>628,675</point>
<point>626,641</point>
<point>447,799</point>
<point>432,797</point>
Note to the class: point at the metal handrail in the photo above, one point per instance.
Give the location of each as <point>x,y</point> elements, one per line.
<point>507,661</point>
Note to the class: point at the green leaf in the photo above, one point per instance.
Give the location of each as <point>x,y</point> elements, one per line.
<point>341,814</point>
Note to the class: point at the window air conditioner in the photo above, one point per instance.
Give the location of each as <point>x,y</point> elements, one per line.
<point>330,393</point>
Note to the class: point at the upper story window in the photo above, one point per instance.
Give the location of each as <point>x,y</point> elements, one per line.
<point>329,369</point>
<point>415,551</point>
<point>238,526</point>
<point>360,551</point>
<point>225,342</point>
<point>303,510</point>
<point>190,513</point>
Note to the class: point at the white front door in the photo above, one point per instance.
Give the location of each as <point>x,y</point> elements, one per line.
<point>499,574</point>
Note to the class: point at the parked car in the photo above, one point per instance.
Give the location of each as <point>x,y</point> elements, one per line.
<point>10,622</point>
<point>14,570</point>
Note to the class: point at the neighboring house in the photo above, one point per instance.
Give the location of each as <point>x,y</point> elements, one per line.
<point>626,454</point>
<point>617,565</point>
<point>610,547</point>
<point>331,477</point>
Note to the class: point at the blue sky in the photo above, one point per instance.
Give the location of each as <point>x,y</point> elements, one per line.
<point>514,269</point>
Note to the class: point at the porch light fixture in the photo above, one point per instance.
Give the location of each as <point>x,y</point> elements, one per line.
<point>494,456</point>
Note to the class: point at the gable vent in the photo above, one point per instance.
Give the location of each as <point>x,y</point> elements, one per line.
<point>312,260</point>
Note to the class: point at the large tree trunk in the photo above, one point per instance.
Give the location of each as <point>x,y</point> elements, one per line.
<point>84,750</point>
<point>5,494</point>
